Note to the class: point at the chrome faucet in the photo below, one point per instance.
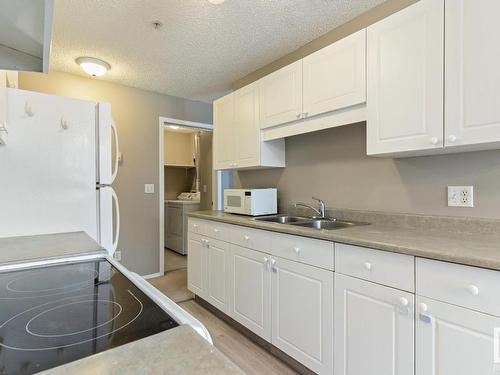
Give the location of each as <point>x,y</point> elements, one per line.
<point>320,211</point>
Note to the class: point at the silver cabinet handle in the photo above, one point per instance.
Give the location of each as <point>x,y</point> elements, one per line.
<point>273,265</point>
<point>266,263</point>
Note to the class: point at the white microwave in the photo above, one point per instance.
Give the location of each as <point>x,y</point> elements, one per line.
<point>253,202</point>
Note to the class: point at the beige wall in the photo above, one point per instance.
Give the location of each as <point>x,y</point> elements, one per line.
<point>373,15</point>
<point>206,170</point>
<point>136,113</point>
<point>177,180</point>
<point>332,164</point>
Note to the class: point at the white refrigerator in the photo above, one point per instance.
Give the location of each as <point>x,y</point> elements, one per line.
<point>56,167</point>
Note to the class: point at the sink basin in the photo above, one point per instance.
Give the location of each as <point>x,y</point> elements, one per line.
<point>281,219</point>
<point>326,224</point>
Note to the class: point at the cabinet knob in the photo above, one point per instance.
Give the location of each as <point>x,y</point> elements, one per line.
<point>452,138</point>
<point>273,265</point>
<point>266,262</point>
<point>299,115</point>
<point>246,238</point>
<point>473,289</point>
<point>296,249</point>
<point>306,114</point>
<point>434,140</point>
<point>404,301</point>
<point>28,109</point>
<point>216,230</point>
<point>367,265</point>
<point>195,225</point>
<point>423,307</point>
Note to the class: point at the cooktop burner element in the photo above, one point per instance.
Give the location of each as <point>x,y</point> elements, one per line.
<point>57,314</point>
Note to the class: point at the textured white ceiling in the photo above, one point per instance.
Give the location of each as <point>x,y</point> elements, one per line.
<point>201,48</point>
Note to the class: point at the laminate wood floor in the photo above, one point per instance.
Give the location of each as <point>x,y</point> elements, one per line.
<point>250,357</point>
<point>174,261</point>
<point>174,285</point>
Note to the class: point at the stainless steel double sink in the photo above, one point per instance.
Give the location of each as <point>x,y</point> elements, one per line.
<point>314,223</point>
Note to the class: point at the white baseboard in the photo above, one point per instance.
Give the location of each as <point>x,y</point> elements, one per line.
<point>152,276</point>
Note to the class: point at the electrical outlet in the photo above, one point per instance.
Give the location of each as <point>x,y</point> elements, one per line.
<point>149,188</point>
<point>117,255</point>
<point>461,196</point>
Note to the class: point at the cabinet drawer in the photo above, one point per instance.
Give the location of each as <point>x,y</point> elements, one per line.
<point>219,231</point>
<point>471,287</point>
<point>251,238</point>
<point>196,226</point>
<point>396,270</point>
<point>302,249</point>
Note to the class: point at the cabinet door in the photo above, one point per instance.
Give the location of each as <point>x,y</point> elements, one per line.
<point>472,60</point>
<point>218,257</point>
<point>405,80</point>
<point>224,133</point>
<point>455,340</point>
<point>302,313</point>
<point>246,119</point>
<point>251,290</point>
<point>374,328</point>
<point>335,76</point>
<point>281,96</point>
<point>197,265</point>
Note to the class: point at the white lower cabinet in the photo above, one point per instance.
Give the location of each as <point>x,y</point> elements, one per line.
<point>197,260</point>
<point>374,328</point>
<point>218,258</point>
<point>250,288</point>
<point>453,340</point>
<point>302,310</point>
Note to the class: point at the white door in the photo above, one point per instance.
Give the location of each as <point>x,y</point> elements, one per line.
<point>472,81</point>
<point>281,96</point>
<point>197,265</point>
<point>373,328</point>
<point>48,166</point>
<point>405,80</point>
<point>302,313</point>
<point>246,119</point>
<point>224,133</point>
<point>218,258</point>
<point>251,290</point>
<point>335,76</point>
<point>454,340</point>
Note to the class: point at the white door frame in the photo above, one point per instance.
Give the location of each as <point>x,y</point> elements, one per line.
<point>161,189</point>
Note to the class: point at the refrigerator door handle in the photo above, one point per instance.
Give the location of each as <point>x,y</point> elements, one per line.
<point>117,149</point>
<point>117,216</point>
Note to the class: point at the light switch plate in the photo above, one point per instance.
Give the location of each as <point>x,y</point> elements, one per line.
<point>149,188</point>
<point>461,196</point>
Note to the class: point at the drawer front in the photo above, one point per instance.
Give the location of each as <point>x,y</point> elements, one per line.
<point>470,287</point>
<point>382,267</point>
<point>305,250</point>
<point>251,238</point>
<point>196,226</point>
<point>218,231</point>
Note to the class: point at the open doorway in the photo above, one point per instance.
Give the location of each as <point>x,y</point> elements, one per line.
<point>187,183</point>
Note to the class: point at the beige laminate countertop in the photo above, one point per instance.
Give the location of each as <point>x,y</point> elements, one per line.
<point>176,351</point>
<point>47,246</point>
<point>474,249</point>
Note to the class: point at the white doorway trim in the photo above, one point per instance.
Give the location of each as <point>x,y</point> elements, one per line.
<point>161,188</point>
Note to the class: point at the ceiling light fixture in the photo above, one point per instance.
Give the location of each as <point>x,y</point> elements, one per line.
<point>93,66</point>
<point>174,126</point>
<point>216,2</point>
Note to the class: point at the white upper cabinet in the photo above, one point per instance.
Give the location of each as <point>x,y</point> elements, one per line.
<point>224,133</point>
<point>374,329</point>
<point>405,80</point>
<point>246,119</point>
<point>454,340</point>
<point>335,76</point>
<point>281,96</point>
<point>237,135</point>
<point>472,81</point>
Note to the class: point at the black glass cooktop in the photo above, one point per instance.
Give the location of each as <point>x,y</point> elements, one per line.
<point>57,314</point>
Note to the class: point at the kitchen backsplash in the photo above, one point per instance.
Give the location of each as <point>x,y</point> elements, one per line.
<point>332,164</point>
